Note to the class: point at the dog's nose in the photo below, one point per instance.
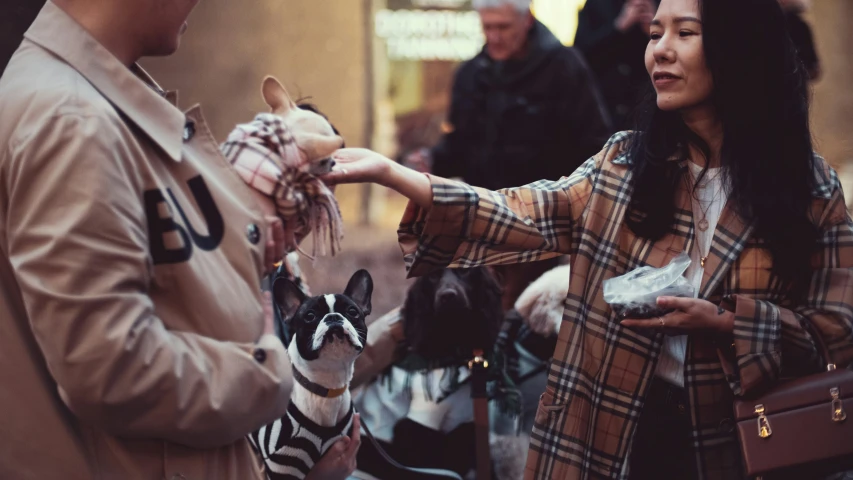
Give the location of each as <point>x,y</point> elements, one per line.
<point>335,323</point>
<point>449,298</point>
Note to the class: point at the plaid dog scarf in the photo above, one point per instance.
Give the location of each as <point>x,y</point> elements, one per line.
<point>265,155</point>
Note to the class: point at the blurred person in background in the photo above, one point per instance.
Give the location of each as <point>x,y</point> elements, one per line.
<point>525,108</point>
<point>135,341</point>
<point>612,34</point>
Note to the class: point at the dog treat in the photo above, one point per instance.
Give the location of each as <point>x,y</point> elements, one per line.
<point>635,294</point>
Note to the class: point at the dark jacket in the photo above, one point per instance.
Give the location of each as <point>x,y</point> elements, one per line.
<point>516,122</point>
<point>616,58</point>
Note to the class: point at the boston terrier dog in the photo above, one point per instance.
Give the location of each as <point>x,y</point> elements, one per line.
<point>328,334</point>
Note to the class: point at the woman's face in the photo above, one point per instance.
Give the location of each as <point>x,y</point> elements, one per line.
<point>675,58</point>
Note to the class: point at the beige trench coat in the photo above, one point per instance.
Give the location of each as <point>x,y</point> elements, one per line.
<point>131,323</point>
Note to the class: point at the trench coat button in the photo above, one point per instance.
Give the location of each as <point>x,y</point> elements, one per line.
<point>253,233</point>
<point>260,355</point>
<point>727,425</point>
<point>189,131</point>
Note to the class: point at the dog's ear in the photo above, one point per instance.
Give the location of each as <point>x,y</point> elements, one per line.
<point>287,296</point>
<point>276,95</point>
<point>360,289</point>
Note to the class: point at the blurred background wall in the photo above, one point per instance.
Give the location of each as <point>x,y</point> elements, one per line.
<point>832,107</point>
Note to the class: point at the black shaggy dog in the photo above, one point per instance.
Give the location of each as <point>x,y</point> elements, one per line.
<point>446,316</point>
<point>451,312</point>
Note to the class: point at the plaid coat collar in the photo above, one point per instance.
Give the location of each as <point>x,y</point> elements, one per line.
<point>600,371</point>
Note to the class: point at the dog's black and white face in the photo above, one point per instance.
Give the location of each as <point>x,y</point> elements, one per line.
<point>330,328</point>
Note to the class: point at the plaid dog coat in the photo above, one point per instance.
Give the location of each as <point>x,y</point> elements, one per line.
<point>266,157</point>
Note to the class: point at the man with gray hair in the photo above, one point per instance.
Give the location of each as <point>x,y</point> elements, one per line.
<point>525,108</point>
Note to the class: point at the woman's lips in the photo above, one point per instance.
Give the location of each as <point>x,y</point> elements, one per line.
<point>665,79</point>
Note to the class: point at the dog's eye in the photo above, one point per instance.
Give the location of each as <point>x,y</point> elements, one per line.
<point>352,312</point>
<point>310,316</point>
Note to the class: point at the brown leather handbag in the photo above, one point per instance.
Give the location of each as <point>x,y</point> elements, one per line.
<point>799,429</point>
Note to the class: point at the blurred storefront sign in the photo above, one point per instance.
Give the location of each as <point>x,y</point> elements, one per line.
<point>412,34</point>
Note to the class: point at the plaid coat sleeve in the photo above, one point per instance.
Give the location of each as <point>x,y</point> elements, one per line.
<point>470,226</point>
<point>771,341</point>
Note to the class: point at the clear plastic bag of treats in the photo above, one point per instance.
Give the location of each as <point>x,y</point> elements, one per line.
<point>634,294</point>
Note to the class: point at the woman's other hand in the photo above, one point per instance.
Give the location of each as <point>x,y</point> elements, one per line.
<point>691,315</point>
<point>339,461</point>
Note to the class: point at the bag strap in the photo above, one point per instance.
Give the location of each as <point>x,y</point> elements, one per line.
<point>479,397</point>
<point>822,349</point>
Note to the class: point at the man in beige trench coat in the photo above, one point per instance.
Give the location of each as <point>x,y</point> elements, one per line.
<point>133,342</point>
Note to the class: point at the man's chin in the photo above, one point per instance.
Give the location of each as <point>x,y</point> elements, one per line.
<point>498,55</point>
<point>165,48</point>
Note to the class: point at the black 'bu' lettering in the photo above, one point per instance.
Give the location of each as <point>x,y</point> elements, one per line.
<point>212,216</point>
<point>159,226</point>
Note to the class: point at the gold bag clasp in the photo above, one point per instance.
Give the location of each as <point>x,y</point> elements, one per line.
<point>838,414</point>
<point>764,430</point>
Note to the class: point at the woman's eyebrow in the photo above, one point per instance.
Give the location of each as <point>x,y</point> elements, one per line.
<point>678,20</point>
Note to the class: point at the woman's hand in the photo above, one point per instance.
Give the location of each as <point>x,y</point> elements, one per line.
<point>360,165</point>
<point>339,461</point>
<point>691,315</point>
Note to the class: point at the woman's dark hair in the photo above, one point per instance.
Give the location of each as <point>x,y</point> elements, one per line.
<point>760,96</point>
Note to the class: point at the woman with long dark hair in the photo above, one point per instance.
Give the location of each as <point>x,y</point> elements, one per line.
<point>721,167</point>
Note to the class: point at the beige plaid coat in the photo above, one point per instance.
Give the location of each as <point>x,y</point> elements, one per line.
<point>600,370</point>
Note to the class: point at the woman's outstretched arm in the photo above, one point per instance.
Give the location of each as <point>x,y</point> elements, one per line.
<point>360,165</point>
<point>449,223</point>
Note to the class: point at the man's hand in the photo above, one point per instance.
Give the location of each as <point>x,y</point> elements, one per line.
<point>276,245</point>
<point>635,12</point>
<point>339,461</point>
<point>269,316</point>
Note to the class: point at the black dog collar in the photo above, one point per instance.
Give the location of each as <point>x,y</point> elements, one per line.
<point>315,388</point>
